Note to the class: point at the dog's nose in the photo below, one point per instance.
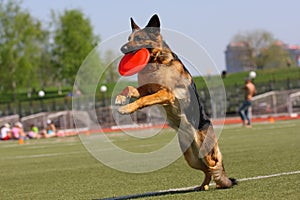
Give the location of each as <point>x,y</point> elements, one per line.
<point>125,49</point>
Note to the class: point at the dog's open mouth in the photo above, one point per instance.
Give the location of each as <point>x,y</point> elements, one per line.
<point>133,62</point>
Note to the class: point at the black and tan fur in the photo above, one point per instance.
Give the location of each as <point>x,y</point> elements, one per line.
<point>167,82</point>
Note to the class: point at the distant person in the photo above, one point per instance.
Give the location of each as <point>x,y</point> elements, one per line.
<point>17,131</point>
<point>224,74</point>
<point>50,131</point>
<point>244,109</point>
<point>5,133</point>
<point>34,132</point>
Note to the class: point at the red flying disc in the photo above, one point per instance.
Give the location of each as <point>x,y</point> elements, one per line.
<point>132,63</point>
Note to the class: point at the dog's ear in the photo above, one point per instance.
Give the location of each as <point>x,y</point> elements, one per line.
<point>133,25</point>
<point>154,24</point>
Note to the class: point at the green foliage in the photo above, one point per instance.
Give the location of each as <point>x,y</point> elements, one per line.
<point>257,40</point>
<point>264,76</point>
<point>273,57</point>
<point>73,41</point>
<point>111,74</point>
<point>33,57</point>
<point>22,41</point>
<point>264,52</point>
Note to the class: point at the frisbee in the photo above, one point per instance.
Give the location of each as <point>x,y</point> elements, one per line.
<point>132,63</point>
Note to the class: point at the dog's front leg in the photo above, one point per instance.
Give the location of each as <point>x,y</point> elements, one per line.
<point>163,96</point>
<point>141,91</point>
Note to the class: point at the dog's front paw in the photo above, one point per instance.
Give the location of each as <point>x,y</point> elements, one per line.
<point>120,100</point>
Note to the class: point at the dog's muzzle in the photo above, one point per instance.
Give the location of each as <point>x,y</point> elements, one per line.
<point>126,49</point>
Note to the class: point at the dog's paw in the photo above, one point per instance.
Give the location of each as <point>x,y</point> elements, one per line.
<point>233,181</point>
<point>130,91</point>
<point>123,110</point>
<point>202,188</point>
<point>120,100</point>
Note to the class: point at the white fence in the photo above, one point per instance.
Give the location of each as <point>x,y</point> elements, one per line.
<point>276,103</point>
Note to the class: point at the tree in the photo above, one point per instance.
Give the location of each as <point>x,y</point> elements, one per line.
<point>257,40</point>
<point>73,41</point>
<point>263,50</point>
<point>21,44</point>
<point>274,56</point>
<point>111,73</point>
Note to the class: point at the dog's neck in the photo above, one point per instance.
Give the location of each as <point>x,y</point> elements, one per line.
<point>162,55</point>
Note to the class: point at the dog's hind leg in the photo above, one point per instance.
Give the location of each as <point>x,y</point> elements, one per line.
<point>191,156</point>
<point>217,170</point>
<point>220,177</point>
<point>212,157</point>
<point>205,183</point>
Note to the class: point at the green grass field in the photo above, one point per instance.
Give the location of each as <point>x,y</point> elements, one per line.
<point>61,168</point>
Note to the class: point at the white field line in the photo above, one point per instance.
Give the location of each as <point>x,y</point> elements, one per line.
<point>39,155</point>
<point>268,176</point>
<point>192,188</point>
<point>251,178</point>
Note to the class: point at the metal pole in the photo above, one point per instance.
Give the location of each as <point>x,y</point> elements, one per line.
<point>274,103</point>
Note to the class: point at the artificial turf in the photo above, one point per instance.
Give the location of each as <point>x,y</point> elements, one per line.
<point>62,168</point>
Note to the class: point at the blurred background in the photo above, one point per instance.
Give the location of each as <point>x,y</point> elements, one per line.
<point>43,44</point>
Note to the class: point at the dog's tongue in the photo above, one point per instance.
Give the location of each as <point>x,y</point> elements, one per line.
<point>132,63</point>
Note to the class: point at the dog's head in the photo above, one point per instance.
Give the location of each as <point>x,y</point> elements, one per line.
<point>148,37</point>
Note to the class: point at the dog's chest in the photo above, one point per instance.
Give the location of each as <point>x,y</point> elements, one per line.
<point>170,76</point>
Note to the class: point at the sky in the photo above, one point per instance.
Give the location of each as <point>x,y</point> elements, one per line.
<point>211,24</point>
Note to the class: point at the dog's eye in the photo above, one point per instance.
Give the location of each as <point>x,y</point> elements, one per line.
<point>138,38</point>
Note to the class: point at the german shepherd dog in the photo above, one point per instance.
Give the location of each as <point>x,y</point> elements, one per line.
<point>166,81</point>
